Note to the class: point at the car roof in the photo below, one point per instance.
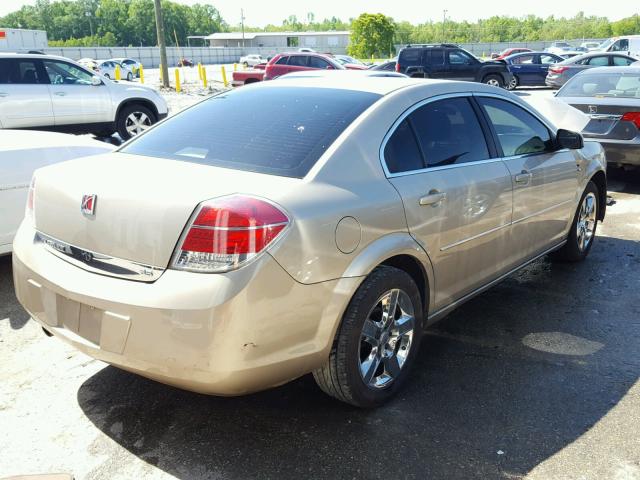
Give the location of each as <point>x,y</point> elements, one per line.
<point>630,69</point>
<point>38,56</point>
<point>381,85</point>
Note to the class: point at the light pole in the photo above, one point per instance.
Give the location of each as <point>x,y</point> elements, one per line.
<point>242,26</point>
<point>88,15</point>
<point>444,19</point>
<point>161,43</point>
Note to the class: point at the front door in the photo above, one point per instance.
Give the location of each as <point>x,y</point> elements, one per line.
<point>544,178</point>
<point>76,101</point>
<point>457,198</point>
<point>461,66</point>
<point>24,94</point>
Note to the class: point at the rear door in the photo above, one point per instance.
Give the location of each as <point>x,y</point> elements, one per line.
<point>525,67</point>
<point>297,63</point>
<point>456,194</point>
<point>76,101</point>
<point>543,62</point>
<point>25,100</point>
<point>544,179</point>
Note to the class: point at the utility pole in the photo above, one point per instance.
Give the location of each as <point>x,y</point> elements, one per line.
<point>161,44</point>
<point>242,26</point>
<point>444,19</point>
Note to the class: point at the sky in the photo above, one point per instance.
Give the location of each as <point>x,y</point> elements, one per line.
<point>261,12</point>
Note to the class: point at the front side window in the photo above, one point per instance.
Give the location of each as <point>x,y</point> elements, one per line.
<point>458,57</point>
<point>449,132</point>
<point>519,132</point>
<point>317,62</point>
<point>621,45</point>
<point>62,73</point>
<point>286,136</point>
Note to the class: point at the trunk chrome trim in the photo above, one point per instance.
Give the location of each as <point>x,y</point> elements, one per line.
<point>97,262</point>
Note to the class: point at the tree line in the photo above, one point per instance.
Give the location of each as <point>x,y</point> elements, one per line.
<point>132,22</point>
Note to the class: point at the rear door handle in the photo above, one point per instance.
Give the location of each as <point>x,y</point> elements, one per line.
<point>433,198</point>
<point>60,94</point>
<point>523,178</point>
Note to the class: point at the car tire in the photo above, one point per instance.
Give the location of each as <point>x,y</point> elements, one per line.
<point>129,77</point>
<point>359,373</point>
<point>583,228</point>
<point>493,80</point>
<point>130,119</point>
<point>513,84</point>
<point>103,133</point>
<point>246,64</point>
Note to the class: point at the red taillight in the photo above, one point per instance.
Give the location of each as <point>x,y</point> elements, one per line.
<point>632,117</point>
<point>398,67</point>
<point>558,69</point>
<point>227,232</point>
<point>30,199</point>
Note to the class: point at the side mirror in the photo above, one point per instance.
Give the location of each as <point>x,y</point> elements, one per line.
<point>569,139</point>
<point>95,81</point>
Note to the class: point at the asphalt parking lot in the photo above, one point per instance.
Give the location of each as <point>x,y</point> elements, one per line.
<point>536,378</point>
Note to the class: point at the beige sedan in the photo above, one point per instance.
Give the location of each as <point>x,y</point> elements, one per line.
<point>232,249</point>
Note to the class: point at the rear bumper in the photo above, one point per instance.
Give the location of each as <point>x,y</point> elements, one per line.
<point>223,334</point>
<point>620,152</point>
<point>554,82</point>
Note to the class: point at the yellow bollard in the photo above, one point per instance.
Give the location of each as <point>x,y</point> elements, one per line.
<point>204,77</point>
<point>177,80</point>
<point>117,72</point>
<point>199,70</point>
<point>141,71</point>
<point>235,67</point>
<point>160,73</point>
<point>224,77</point>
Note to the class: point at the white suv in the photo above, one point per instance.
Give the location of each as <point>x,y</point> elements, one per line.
<point>54,93</point>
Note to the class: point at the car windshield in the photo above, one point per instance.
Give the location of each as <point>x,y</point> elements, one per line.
<point>610,84</point>
<point>279,131</point>
<point>606,43</point>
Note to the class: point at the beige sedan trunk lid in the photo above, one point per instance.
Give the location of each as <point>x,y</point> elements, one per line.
<point>142,205</point>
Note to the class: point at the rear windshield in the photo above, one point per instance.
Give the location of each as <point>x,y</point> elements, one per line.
<point>612,84</point>
<point>280,131</point>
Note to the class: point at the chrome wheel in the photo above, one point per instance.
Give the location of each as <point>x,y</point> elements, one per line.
<point>493,82</point>
<point>386,338</point>
<point>512,84</point>
<point>586,224</point>
<point>137,122</point>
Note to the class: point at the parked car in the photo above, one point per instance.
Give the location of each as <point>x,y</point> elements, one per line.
<point>131,64</point>
<point>295,235</point>
<point>530,68</point>
<point>611,97</point>
<point>628,45</point>
<point>509,51</point>
<point>348,64</point>
<point>252,60</point>
<point>246,77</point>
<point>21,153</point>
<point>590,46</point>
<point>55,93</point>
<point>344,59</point>
<point>89,63</point>
<point>285,63</point>
<point>185,62</point>
<point>389,66</point>
<point>558,48</point>
<point>449,61</point>
<point>563,71</point>
<point>107,68</point>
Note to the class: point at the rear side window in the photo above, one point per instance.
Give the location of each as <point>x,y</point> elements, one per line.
<point>4,70</point>
<point>20,71</point>
<point>622,61</point>
<point>449,132</point>
<point>285,135</point>
<point>437,57</point>
<point>598,61</point>
<point>401,153</point>
<point>519,132</point>
<point>298,61</point>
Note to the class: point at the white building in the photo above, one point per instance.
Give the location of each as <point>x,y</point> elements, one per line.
<point>320,41</point>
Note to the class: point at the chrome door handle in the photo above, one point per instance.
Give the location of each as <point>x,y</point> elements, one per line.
<point>4,94</point>
<point>523,178</point>
<point>61,94</point>
<point>433,198</point>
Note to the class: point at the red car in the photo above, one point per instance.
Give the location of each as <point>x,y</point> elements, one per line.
<point>510,51</point>
<point>284,63</point>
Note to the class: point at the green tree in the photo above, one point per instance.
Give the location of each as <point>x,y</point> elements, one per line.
<point>371,34</point>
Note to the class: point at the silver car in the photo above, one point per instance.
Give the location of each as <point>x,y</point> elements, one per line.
<point>232,249</point>
<point>559,73</point>
<point>611,97</point>
<point>55,93</point>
